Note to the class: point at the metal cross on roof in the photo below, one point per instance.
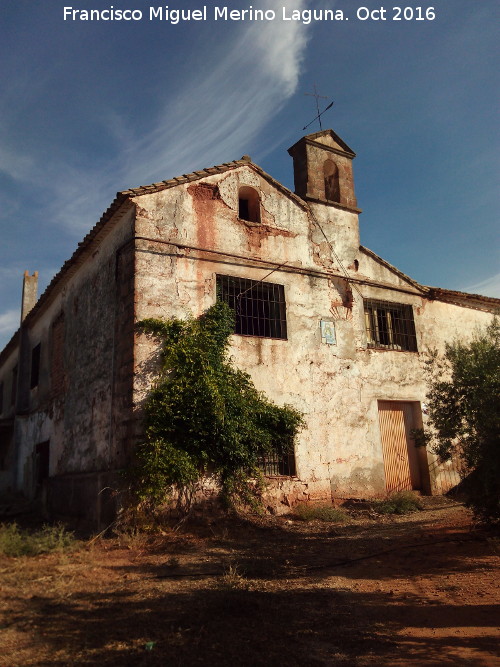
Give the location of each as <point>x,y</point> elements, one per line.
<point>318,117</point>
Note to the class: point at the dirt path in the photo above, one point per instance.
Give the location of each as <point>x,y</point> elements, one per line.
<point>419,590</point>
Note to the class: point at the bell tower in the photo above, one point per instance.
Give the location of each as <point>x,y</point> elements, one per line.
<point>322,167</point>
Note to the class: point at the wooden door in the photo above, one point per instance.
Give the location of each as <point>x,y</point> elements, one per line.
<point>401,466</point>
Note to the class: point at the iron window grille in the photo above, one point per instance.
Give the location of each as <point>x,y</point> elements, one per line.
<point>278,466</point>
<point>260,307</point>
<point>390,325</point>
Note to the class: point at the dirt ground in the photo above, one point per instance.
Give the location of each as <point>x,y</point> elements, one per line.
<point>414,590</point>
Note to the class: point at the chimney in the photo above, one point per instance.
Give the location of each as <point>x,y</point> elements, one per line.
<point>30,289</point>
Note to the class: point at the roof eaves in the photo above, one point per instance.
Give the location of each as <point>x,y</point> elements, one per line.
<point>279,186</point>
<point>125,195</point>
<point>212,171</point>
<point>476,301</point>
<point>77,257</point>
<point>314,136</point>
<point>10,347</point>
<point>400,274</point>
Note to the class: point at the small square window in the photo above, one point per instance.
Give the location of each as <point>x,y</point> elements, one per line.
<point>390,325</point>
<point>259,307</point>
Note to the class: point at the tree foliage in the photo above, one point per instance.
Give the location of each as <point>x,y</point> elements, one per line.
<point>464,411</point>
<point>203,415</point>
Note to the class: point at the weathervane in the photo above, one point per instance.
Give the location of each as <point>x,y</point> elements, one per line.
<point>318,117</point>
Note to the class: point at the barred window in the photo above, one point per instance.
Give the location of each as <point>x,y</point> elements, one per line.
<point>278,466</point>
<point>390,325</point>
<point>260,307</point>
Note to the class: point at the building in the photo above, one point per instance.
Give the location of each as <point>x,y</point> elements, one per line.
<point>323,324</point>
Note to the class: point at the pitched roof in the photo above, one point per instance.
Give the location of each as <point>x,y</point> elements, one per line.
<point>476,301</point>
<point>489,304</point>
<point>125,196</point>
<point>394,270</point>
<point>330,135</point>
<point>211,171</point>
<point>119,201</point>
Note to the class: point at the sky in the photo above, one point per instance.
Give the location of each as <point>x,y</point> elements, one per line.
<point>89,108</point>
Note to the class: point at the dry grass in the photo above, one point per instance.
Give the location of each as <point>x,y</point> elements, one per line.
<point>256,592</point>
<point>15,541</point>
<point>320,512</point>
<point>403,502</point>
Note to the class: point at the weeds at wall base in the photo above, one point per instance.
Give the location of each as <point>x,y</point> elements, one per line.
<point>15,542</point>
<point>323,512</point>
<point>403,502</point>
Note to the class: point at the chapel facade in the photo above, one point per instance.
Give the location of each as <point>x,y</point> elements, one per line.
<point>322,324</point>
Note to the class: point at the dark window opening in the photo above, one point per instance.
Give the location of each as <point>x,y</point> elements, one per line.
<point>57,373</point>
<point>42,460</point>
<point>259,307</point>
<point>6,436</point>
<point>278,466</point>
<point>248,204</point>
<point>35,366</point>
<point>243,209</point>
<point>13,389</point>
<point>331,178</point>
<point>390,326</point>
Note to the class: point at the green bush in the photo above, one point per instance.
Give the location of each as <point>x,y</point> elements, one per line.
<point>464,416</point>
<point>327,513</point>
<point>17,542</point>
<point>204,416</point>
<point>402,502</point>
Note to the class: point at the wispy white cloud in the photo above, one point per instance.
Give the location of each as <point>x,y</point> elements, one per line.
<point>9,322</point>
<point>488,287</point>
<point>224,104</point>
<point>210,115</point>
<point>14,164</point>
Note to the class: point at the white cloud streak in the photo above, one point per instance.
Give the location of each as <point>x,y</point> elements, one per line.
<point>14,164</point>
<point>210,117</point>
<point>225,104</point>
<point>488,287</point>
<point>9,321</point>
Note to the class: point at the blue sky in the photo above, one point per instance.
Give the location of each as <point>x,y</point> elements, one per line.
<point>90,108</point>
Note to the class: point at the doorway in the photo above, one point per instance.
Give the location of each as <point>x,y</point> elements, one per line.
<point>401,464</point>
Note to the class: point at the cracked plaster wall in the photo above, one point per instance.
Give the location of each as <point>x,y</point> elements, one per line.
<point>82,416</point>
<point>336,386</point>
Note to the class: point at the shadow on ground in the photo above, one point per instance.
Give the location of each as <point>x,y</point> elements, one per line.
<point>280,594</point>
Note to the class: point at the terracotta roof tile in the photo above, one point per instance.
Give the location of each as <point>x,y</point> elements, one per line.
<point>120,199</point>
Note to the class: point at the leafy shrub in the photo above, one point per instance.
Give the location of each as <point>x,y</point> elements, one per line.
<point>402,502</point>
<point>328,513</point>
<point>203,416</point>
<point>464,415</point>
<point>17,542</point>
